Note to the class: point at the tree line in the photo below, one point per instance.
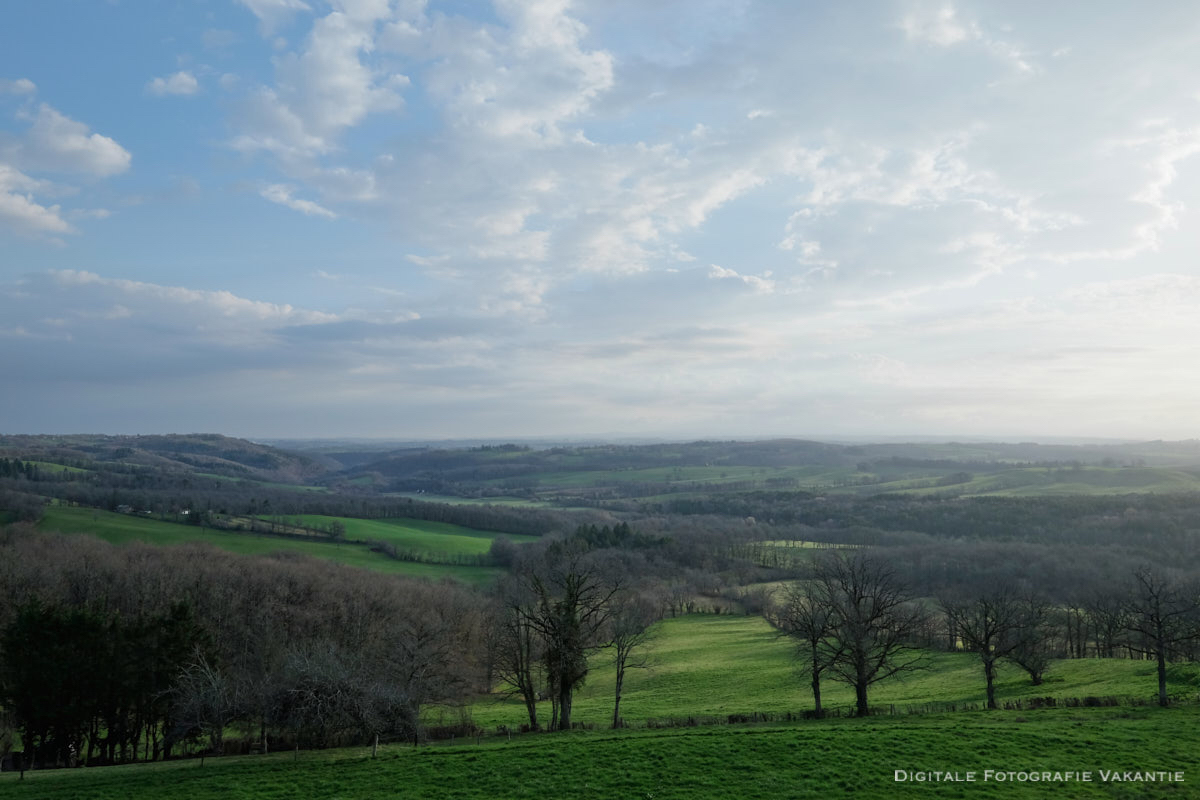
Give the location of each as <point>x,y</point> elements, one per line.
<point>856,621</point>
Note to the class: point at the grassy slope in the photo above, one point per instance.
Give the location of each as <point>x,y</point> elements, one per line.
<point>1040,481</point>
<point>50,466</point>
<point>299,487</point>
<point>123,528</point>
<point>413,534</point>
<point>847,758</point>
<point>1018,481</point>
<point>720,665</point>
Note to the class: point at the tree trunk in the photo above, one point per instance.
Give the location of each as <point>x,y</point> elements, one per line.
<point>616,723</point>
<point>989,671</point>
<point>860,696</point>
<point>564,709</point>
<point>531,709</point>
<point>816,683</point>
<point>1162,673</point>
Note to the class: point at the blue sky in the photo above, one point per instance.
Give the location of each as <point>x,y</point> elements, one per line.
<point>400,218</point>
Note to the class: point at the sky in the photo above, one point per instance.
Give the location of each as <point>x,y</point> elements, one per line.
<point>711,218</point>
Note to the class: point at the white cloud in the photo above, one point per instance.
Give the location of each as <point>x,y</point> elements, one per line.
<point>210,307</point>
<point>271,13</point>
<point>760,283</point>
<point>179,83</point>
<point>525,81</point>
<point>20,212</point>
<point>937,24</point>
<point>58,143</point>
<point>322,91</point>
<point>19,86</point>
<point>281,194</point>
<point>940,25</point>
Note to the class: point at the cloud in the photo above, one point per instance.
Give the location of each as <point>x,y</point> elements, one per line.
<point>179,83</point>
<point>211,306</point>
<point>20,212</point>
<point>938,25</point>
<point>272,13</point>
<point>218,38</point>
<point>19,86</point>
<point>281,194</point>
<point>761,283</point>
<point>321,91</point>
<point>57,143</point>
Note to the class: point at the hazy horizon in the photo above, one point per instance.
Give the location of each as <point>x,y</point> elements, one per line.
<point>403,219</point>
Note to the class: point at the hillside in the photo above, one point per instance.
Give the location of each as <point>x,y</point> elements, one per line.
<point>200,452</point>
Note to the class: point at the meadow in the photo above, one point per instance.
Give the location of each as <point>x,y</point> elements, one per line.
<point>422,536</point>
<point>126,528</point>
<point>815,759</point>
<point>707,666</point>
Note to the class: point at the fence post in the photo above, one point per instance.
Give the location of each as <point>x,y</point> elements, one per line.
<point>375,746</point>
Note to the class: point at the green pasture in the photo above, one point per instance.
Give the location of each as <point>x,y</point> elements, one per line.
<point>713,475</point>
<point>411,534</point>
<point>426,497</point>
<point>1043,481</point>
<point>50,466</point>
<point>298,487</point>
<point>719,665</point>
<point>126,528</point>
<point>818,759</point>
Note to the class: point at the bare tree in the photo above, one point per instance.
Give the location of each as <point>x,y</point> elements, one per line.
<point>1108,615</point>
<point>989,625</point>
<point>570,610</point>
<point>209,699</point>
<point>872,620</point>
<point>1163,615</point>
<point>1035,636</point>
<point>516,653</point>
<point>629,629</point>
<point>806,617</point>
<point>428,653</point>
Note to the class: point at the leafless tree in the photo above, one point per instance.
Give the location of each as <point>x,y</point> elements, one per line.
<point>209,699</point>
<point>516,649</point>
<point>806,617</point>
<point>569,612</point>
<point>872,620</point>
<point>1108,615</point>
<point>989,625</point>
<point>1035,636</point>
<point>1163,616</point>
<point>628,631</point>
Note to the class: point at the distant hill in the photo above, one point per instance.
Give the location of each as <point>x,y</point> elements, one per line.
<point>195,452</point>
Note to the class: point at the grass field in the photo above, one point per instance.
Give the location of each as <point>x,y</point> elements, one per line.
<point>1043,481</point>
<point>125,528</point>
<point>50,466</point>
<point>832,758</point>
<point>298,487</point>
<point>412,534</point>
<point>721,665</point>
<point>1017,481</point>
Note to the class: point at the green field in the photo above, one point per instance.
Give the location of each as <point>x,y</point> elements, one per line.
<point>298,487</point>
<point>578,479</point>
<point>1043,481</point>
<point>832,758</point>
<point>1017,481</point>
<point>125,528</point>
<point>713,666</point>
<point>411,534</point>
<point>50,466</point>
